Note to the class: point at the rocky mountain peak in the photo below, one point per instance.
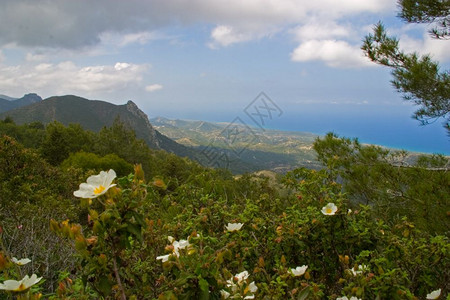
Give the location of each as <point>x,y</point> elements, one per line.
<point>136,111</point>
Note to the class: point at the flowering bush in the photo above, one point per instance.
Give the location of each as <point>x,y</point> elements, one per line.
<point>341,253</point>
<point>212,236</point>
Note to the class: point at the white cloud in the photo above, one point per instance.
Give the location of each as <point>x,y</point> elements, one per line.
<point>351,6</point>
<point>333,52</point>
<point>111,38</point>
<point>121,66</point>
<point>328,41</point>
<point>139,37</point>
<point>67,78</point>
<point>322,28</point>
<point>438,49</point>
<point>33,57</point>
<point>225,35</point>
<point>319,31</point>
<point>153,87</point>
<point>75,24</point>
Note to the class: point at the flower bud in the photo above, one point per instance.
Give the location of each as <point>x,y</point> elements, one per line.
<point>138,172</point>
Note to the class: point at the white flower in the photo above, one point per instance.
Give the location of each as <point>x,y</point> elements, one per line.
<point>96,185</point>
<point>299,271</point>
<point>345,298</point>
<point>177,245</point>
<point>235,285</point>
<point>20,262</point>
<point>234,226</point>
<point>358,271</point>
<point>252,287</point>
<point>434,294</point>
<point>21,285</point>
<point>163,258</point>
<point>241,276</point>
<point>329,209</point>
<point>225,294</point>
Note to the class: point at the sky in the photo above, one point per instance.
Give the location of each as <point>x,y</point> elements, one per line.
<point>210,59</point>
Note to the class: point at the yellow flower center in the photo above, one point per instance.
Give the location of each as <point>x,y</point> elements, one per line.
<point>20,288</point>
<point>99,189</point>
<point>329,210</point>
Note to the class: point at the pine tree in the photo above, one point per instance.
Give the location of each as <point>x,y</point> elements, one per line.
<point>417,77</point>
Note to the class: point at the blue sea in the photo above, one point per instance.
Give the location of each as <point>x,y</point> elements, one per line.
<point>391,127</point>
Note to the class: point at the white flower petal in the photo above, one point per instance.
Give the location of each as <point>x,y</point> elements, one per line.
<point>299,271</point>
<point>182,244</point>
<point>434,294</point>
<point>110,177</point>
<point>241,276</point>
<point>21,285</point>
<point>20,262</point>
<point>234,226</point>
<point>29,281</point>
<point>10,285</point>
<point>163,258</point>
<point>252,287</point>
<point>225,294</point>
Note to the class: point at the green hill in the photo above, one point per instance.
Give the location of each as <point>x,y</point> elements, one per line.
<point>94,115</point>
<point>275,150</point>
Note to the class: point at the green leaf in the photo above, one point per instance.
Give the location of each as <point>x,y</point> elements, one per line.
<point>138,217</point>
<point>167,296</point>
<point>104,285</point>
<point>204,289</point>
<point>135,230</point>
<point>304,294</point>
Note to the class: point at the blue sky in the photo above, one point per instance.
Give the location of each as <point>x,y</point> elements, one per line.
<point>207,59</point>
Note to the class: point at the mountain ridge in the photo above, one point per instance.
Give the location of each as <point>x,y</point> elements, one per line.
<point>94,115</point>
<point>9,103</point>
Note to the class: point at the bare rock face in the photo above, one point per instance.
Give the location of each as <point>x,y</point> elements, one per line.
<point>134,109</point>
<point>30,98</point>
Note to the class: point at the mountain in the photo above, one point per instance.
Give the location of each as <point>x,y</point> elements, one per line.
<point>234,146</point>
<point>7,97</point>
<point>9,103</point>
<point>94,115</point>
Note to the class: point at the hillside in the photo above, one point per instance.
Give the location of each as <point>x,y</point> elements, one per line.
<point>275,150</point>
<point>94,115</point>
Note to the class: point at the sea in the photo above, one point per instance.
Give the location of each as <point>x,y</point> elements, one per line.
<point>392,132</point>
<point>391,127</point>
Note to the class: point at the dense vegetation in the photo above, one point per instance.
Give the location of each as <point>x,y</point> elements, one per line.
<point>158,230</point>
